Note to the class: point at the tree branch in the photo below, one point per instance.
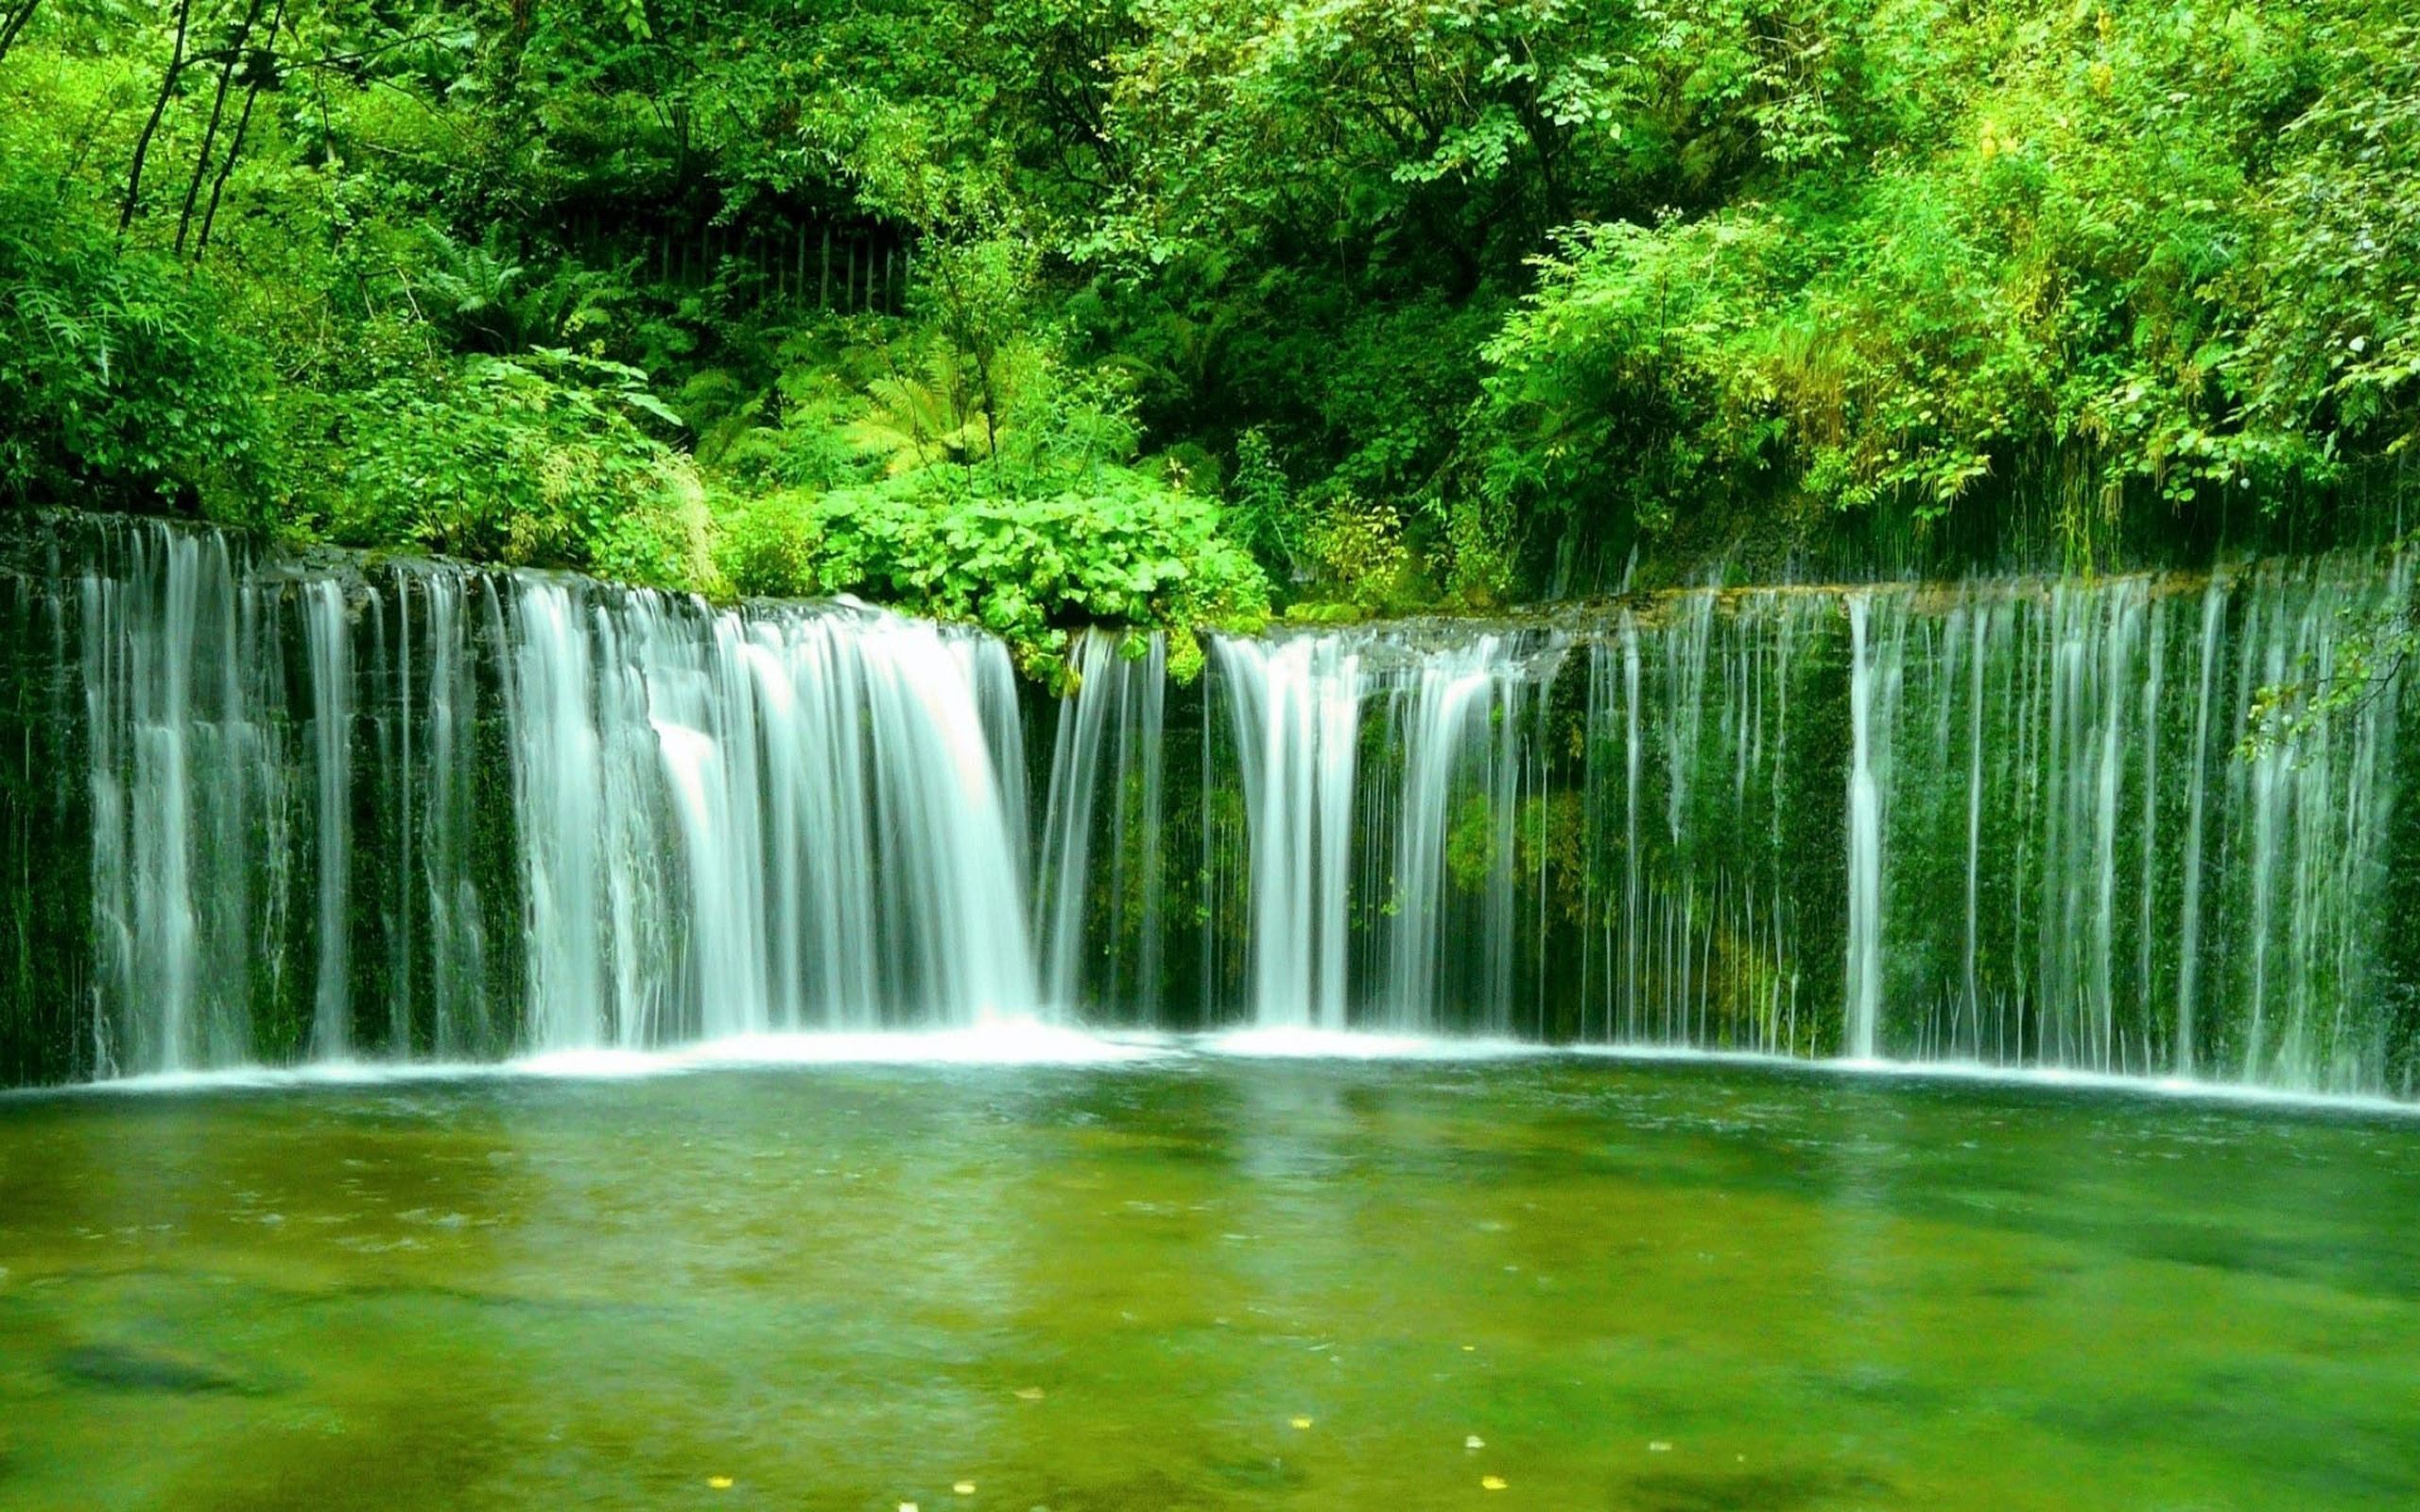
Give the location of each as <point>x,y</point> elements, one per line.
<point>236,51</point>
<point>16,24</point>
<point>159,108</point>
<point>265,68</point>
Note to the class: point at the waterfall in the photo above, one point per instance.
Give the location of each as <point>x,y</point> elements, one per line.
<point>2150,899</point>
<point>289,810</point>
<point>1446,715</point>
<point>1418,850</point>
<point>952,850</point>
<point>328,646</point>
<point>734,824</point>
<point>984,662</point>
<point>187,780</point>
<point>439,796</point>
<point>1104,811</point>
<point>1976,620</point>
<point>2214,605</point>
<point>1296,705</point>
<point>1693,871</point>
<point>558,787</point>
<point>1464,717</point>
<point>1865,840</point>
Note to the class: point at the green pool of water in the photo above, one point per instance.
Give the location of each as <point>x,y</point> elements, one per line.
<point>1207,1282</point>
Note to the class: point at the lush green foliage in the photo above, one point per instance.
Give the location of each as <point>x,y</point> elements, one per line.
<point>1122,549</point>
<point>1032,311</point>
<point>536,459</point>
<point>2091,281</point>
<point>116,374</point>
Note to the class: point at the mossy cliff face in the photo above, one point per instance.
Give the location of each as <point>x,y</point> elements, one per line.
<point>1630,824</point>
<point>46,948</point>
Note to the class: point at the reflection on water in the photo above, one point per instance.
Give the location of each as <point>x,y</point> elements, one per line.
<point>1660,1287</point>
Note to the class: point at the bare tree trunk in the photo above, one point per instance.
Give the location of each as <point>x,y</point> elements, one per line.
<point>16,24</point>
<point>159,108</point>
<point>237,53</point>
<point>243,125</point>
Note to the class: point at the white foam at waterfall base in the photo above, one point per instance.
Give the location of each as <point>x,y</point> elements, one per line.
<point>1022,1043</point>
<point>2191,1089</point>
<point>1353,1044</point>
<point>1011,1046</point>
<point>1003,1044</point>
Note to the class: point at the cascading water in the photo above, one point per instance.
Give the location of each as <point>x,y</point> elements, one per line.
<point>1102,829</point>
<point>681,823</point>
<point>1296,708</point>
<point>1422,846</point>
<point>741,823</point>
<point>1440,722</point>
<point>1708,771</point>
<point>328,644</point>
<point>189,788</point>
<point>286,811</point>
<point>1873,670</point>
<point>439,946</point>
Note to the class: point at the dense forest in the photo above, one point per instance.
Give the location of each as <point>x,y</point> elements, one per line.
<point>1186,312</point>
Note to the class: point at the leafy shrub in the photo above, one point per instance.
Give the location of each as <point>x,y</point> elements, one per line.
<point>1122,549</point>
<point>1357,550</point>
<point>766,546</point>
<point>117,372</point>
<point>1267,513</point>
<point>537,460</point>
<point>1477,553</point>
<point>2142,254</point>
<point>998,487</point>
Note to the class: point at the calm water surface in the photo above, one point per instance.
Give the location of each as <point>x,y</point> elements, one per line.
<point>1207,1282</point>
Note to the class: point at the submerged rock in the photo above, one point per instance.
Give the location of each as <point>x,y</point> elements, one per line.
<point>123,1368</point>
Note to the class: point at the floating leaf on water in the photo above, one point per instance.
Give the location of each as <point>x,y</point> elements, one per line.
<point>1490,1483</point>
